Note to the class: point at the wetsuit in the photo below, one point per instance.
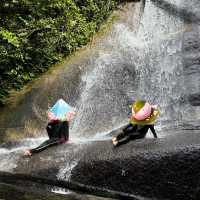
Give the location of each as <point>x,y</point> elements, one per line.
<point>133,132</point>
<point>58,133</point>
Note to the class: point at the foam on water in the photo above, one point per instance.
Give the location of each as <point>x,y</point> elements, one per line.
<point>9,157</point>
<point>59,190</point>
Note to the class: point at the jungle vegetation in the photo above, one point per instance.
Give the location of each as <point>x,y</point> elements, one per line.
<point>35,34</point>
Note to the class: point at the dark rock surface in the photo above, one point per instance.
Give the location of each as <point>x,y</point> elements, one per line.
<point>187,11</point>
<point>10,192</point>
<point>164,168</point>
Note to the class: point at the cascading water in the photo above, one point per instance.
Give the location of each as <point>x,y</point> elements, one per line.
<point>147,64</point>
<point>109,84</point>
<point>138,59</point>
<point>160,64</point>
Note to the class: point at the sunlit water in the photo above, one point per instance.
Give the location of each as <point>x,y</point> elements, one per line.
<point>144,64</point>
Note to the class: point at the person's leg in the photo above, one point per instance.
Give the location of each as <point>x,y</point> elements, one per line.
<point>116,139</point>
<point>124,137</point>
<point>137,135</point>
<point>130,128</point>
<point>126,131</point>
<point>123,140</point>
<point>45,145</point>
<point>127,138</point>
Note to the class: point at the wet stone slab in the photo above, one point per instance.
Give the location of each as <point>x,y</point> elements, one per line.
<point>10,192</point>
<point>164,168</point>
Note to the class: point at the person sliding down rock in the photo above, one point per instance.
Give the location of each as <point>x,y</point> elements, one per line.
<point>58,128</point>
<point>143,117</point>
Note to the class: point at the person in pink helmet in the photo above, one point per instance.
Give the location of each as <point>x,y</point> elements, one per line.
<point>143,117</point>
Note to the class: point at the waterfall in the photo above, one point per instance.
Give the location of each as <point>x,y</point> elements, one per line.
<point>110,83</point>
<point>117,75</point>
<point>160,64</point>
<point>144,64</point>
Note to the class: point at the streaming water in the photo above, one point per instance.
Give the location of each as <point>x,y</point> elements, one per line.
<point>146,63</point>
<point>160,62</point>
<point>9,156</point>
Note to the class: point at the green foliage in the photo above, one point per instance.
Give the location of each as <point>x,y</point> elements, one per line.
<point>34,34</point>
<point>10,37</point>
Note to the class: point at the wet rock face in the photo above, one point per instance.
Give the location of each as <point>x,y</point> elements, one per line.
<point>8,192</point>
<point>194,99</point>
<point>25,115</point>
<point>33,192</point>
<point>161,169</point>
<point>187,11</point>
<point>151,177</point>
<point>191,64</point>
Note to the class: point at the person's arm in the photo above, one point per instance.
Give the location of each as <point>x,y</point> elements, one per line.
<point>153,131</point>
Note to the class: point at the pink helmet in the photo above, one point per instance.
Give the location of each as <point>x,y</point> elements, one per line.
<point>141,112</point>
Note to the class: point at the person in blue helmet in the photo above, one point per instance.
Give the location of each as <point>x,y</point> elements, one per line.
<point>57,129</point>
<point>58,133</point>
<point>143,118</point>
